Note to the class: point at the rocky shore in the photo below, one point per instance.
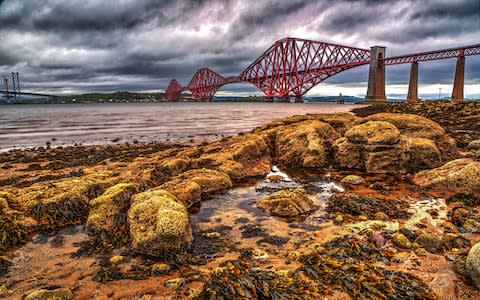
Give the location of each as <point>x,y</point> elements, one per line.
<point>376,205</point>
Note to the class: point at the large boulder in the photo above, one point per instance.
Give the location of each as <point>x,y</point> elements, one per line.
<point>158,222</point>
<point>63,202</point>
<point>287,203</point>
<point>463,175</point>
<point>374,132</point>
<point>305,144</point>
<point>472,265</point>
<point>209,180</point>
<point>174,165</point>
<point>381,147</point>
<point>15,227</point>
<point>415,126</point>
<point>185,190</point>
<point>107,219</point>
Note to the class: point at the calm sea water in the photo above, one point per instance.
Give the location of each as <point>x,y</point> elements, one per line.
<point>34,125</point>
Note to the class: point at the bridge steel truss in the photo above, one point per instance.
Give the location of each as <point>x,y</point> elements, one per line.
<point>432,55</point>
<point>292,66</point>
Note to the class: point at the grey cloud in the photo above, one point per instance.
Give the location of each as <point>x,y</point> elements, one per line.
<point>140,45</point>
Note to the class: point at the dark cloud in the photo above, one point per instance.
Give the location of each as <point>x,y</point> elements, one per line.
<point>98,45</point>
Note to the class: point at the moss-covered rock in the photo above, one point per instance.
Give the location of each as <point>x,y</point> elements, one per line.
<point>415,126</point>
<point>63,202</point>
<point>305,144</point>
<point>185,190</point>
<point>430,242</point>
<point>463,175</point>
<point>287,203</point>
<point>15,226</point>
<point>107,219</point>
<point>174,165</point>
<point>424,153</point>
<point>209,180</point>
<point>374,132</point>
<point>353,180</point>
<point>472,265</point>
<point>158,222</point>
<point>57,294</point>
<point>378,146</point>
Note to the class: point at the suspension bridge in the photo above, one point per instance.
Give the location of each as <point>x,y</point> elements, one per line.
<point>14,91</point>
<point>293,66</point>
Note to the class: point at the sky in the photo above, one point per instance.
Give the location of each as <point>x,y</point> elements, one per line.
<point>71,47</point>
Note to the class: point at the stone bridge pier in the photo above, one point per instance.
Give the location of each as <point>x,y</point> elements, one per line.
<point>376,76</point>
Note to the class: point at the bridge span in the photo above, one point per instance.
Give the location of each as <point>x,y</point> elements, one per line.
<point>292,66</point>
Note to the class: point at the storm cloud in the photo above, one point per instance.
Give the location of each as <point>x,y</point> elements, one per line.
<point>139,45</point>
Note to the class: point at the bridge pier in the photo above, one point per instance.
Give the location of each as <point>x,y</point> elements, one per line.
<point>457,93</point>
<point>413,83</point>
<point>298,99</point>
<point>376,76</point>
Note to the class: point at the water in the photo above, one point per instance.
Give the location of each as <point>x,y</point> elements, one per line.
<point>34,125</point>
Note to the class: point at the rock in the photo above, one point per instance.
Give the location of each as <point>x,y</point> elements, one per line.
<point>462,175</point>
<point>67,201</point>
<point>353,179</point>
<point>430,242</point>
<point>424,154</point>
<point>116,259</point>
<point>4,291</point>
<point>287,203</point>
<point>474,145</point>
<point>175,283</point>
<point>380,147</point>
<point>380,216</point>
<point>15,227</point>
<point>374,132</point>
<point>472,226</point>
<point>107,219</point>
<point>212,235</point>
<point>174,165</point>
<point>260,255</point>
<point>209,180</point>
<point>453,241</point>
<point>414,126</point>
<point>459,265</point>
<point>305,144</point>
<point>401,257</point>
<point>233,169</point>
<point>421,252</point>
<point>472,265</point>
<point>158,222</point>
<point>339,219</point>
<point>160,269</point>
<point>275,177</point>
<point>185,190</point>
<point>57,294</point>
<point>401,240</point>
<point>460,215</point>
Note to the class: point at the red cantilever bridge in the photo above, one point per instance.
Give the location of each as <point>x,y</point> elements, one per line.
<point>292,66</point>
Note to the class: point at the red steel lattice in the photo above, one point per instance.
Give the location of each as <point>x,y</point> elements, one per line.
<point>432,55</point>
<point>205,83</point>
<point>294,66</point>
<point>174,90</point>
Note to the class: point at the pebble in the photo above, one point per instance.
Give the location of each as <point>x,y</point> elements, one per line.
<point>116,259</point>
<point>353,180</point>
<point>160,268</point>
<point>175,283</point>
